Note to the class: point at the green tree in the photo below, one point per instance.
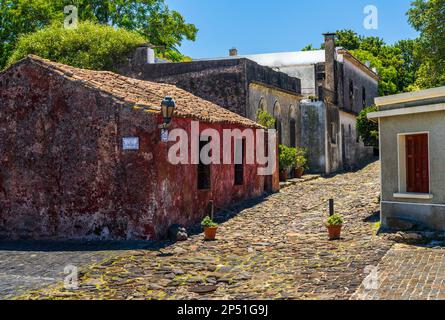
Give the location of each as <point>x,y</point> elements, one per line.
<point>407,74</point>
<point>150,18</point>
<point>309,47</point>
<point>89,46</point>
<point>367,129</point>
<point>395,64</point>
<point>347,39</point>
<point>428,17</point>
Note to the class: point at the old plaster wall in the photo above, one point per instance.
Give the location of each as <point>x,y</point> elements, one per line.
<point>313,134</point>
<point>307,75</point>
<point>57,157</point>
<point>354,150</point>
<point>360,80</point>
<point>64,175</point>
<point>334,161</point>
<point>284,105</point>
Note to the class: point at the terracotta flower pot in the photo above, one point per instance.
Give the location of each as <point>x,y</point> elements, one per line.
<point>210,233</point>
<point>334,232</point>
<point>299,172</point>
<point>283,175</point>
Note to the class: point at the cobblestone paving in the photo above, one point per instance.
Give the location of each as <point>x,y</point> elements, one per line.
<point>28,266</point>
<point>407,272</point>
<point>274,249</point>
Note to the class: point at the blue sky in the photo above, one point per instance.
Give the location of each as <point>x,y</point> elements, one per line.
<point>261,26</point>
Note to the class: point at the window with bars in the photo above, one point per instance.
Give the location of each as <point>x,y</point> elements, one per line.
<point>351,94</point>
<point>204,173</point>
<point>364,97</point>
<point>240,147</point>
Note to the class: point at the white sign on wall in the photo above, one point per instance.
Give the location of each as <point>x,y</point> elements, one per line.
<point>130,143</point>
<point>164,135</point>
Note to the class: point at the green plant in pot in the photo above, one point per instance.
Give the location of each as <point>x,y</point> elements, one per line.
<point>286,159</point>
<point>334,225</point>
<point>210,228</point>
<point>300,162</point>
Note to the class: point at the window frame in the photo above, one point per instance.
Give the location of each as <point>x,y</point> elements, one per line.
<point>402,168</point>
<point>334,138</point>
<point>202,167</point>
<point>351,94</point>
<point>240,168</point>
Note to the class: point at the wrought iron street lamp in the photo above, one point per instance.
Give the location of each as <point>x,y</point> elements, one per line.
<point>168,106</point>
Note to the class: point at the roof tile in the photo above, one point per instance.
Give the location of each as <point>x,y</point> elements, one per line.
<point>147,94</point>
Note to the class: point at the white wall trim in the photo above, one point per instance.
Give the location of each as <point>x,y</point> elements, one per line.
<point>407,111</point>
<point>415,204</point>
<point>420,196</point>
<point>411,96</point>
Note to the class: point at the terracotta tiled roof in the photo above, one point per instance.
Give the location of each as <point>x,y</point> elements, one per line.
<point>146,94</point>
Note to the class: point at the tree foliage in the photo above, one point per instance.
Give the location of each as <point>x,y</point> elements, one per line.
<point>150,18</point>
<point>89,46</point>
<point>367,129</point>
<point>397,65</point>
<point>265,119</point>
<point>428,17</point>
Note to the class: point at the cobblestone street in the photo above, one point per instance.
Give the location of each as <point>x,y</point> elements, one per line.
<point>407,273</point>
<point>274,249</point>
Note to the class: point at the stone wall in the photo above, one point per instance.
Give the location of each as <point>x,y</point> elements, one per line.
<point>281,104</point>
<point>64,174</point>
<point>224,82</point>
<point>360,81</point>
<point>313,134</point>
<point>354,150</point>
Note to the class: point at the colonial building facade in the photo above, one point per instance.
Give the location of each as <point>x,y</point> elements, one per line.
<point>81,156</point>
<point>338,84</point>
<point>237,84</point>
<point>342,86</point>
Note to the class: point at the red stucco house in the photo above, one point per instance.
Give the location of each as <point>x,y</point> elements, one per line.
<point>81,156</point>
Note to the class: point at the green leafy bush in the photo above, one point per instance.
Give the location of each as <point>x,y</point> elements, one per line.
<point>286,157</point>
<point>208,223</point>
<point>265,119</point>
<point>301,158</point>
<point>335,220</point>
<point>89,46</point>
<point>367,129</point>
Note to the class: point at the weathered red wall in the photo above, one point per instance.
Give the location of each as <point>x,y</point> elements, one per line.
<point>63,173</point>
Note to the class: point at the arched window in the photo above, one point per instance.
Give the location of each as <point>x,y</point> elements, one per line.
<point>277,116</point>
<point>293,126</point>
<point>364,97</point>
<point>262,105</point>
<point>351,93</point>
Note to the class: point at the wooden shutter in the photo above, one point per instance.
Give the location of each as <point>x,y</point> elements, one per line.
<point>417,164</point>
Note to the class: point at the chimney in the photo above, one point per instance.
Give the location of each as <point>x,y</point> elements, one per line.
<point>233,52</point>
<point>330,78</point>
<point>143,55</point>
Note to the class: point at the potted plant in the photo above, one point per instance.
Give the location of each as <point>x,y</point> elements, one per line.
<point>210,228</point>
<point>334,225</point>
<point>300,162</point>
<point>286,161</point>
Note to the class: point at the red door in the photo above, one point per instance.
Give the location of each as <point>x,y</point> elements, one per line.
<point>417,164</point>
